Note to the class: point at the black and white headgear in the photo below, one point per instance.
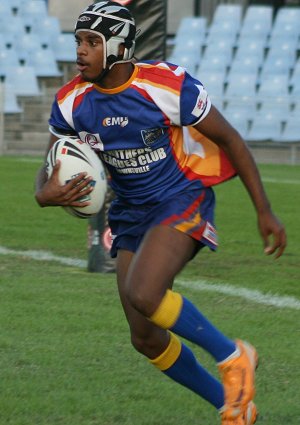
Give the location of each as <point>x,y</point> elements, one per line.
<point>115,25</point>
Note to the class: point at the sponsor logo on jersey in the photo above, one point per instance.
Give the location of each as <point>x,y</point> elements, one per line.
<point>93,140</point>
<point>201,102</point>
<point>151,135</point>
<point>111,121</point>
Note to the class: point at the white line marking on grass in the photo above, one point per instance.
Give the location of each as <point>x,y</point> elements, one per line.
<point>253,295</point>
<point>258,297</point>
<point>44,256</point>
<point>283,181</point>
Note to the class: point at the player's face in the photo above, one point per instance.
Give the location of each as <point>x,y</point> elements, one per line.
<point>89,55</point>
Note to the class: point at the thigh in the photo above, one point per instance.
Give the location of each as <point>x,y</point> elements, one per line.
<point>146,337</point>
<point>160,257</point>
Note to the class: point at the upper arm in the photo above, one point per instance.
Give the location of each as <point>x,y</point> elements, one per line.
<point>215,127</point>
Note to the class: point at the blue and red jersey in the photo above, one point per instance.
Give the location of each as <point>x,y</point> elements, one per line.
<point>142,131</point>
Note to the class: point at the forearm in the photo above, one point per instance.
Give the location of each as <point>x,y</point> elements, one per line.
<point>242,159</point>
<point>40,180</point>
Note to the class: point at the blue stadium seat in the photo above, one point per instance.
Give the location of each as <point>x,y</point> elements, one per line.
<point>239,120</point>
<point>273,86</point>
<point>194,26</point>
<point>24,81</point>
<point>8,59</point>
<point>214,83</point>
<point>295,73</point>
<point>241,84</point>
<point>246,64</point>
<point>287,14</point>
<point>34,8</point>
<point>259,13</point>
<point>214,63</point>
<point>227,12</point>
<point>275,65</point>
<point>247,47</point>
<point>44,63</point>
<point>265,128</point>
<point>183,44</point>
<point>65,50</point>
<point>287,32</point>
<point>11,105</point>
<point>243,103</point>
<point>48,28</point>
<point>27,45</point>
<point>291,131</point>
<point>187,60</point>
<point>279,107</point>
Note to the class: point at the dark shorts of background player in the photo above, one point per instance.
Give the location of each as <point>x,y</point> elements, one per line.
<point>191,212</point>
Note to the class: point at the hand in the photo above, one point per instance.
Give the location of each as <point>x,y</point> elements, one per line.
<point>272,233</point>
<point>53,193</point>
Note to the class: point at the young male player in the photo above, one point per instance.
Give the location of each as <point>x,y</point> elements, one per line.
<point>135,116</point>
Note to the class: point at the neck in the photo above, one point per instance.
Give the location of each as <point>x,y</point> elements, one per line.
<point>116,76</point>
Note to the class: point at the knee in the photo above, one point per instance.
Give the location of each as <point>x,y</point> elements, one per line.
<point>144,301</point>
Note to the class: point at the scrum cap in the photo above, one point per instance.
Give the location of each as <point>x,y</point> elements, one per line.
<point>115,25</point>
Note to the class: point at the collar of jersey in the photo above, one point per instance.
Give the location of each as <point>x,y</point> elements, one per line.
<point>121,88</point>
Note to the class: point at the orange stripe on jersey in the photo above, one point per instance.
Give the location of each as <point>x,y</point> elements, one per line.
<point>68,87</point>
<point>161,77</point>
<point>158,85</point>
<point>77,87</point>
<point>205,161</point>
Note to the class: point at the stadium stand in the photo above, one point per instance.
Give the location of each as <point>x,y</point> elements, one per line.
<point>243,55</point>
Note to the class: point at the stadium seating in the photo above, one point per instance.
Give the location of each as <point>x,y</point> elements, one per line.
<point>265,128</point>
<point>11,105</point>
<point>24,81</point>
<point>291,131</point>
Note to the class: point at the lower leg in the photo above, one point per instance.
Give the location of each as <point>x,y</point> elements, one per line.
<point>179,363</point>
<point>180,316</point>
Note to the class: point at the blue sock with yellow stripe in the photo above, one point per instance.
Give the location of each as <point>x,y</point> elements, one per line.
<point>180,316</point>
<point>179,363</point>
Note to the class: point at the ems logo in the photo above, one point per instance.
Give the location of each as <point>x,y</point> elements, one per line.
<point>110,121</point>
<point>151,135</point>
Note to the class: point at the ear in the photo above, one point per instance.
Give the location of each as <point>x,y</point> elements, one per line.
<point>121,49</point>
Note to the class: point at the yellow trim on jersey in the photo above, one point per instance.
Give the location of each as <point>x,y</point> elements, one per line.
<point>185,226</point>
<point>169,356</point>
<point>168,311</point>
<point>119,88</point>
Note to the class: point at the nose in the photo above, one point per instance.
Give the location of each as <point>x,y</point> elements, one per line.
<point>81,49</point>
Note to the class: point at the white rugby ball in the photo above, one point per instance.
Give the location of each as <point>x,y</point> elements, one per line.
<point>76,157</point>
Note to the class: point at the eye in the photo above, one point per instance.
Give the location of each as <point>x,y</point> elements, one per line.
<point>94,43</point>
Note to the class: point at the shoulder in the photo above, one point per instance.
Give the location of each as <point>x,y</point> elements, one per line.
<point>162,74</point>
<point>73,88</point>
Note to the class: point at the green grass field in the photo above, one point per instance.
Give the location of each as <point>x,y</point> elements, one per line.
<point>65,354</point>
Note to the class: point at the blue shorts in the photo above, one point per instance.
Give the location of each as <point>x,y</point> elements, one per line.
<point>190,212</point>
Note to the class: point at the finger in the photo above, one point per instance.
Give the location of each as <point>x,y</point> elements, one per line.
<point>80,178</point>
<point>278,245</point>
<point>282,245</point>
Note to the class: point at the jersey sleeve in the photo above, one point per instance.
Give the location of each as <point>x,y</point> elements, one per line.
<point>195,103</point>
<point>57,123</point>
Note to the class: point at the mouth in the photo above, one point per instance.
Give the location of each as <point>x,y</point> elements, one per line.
<point>81,66</point>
